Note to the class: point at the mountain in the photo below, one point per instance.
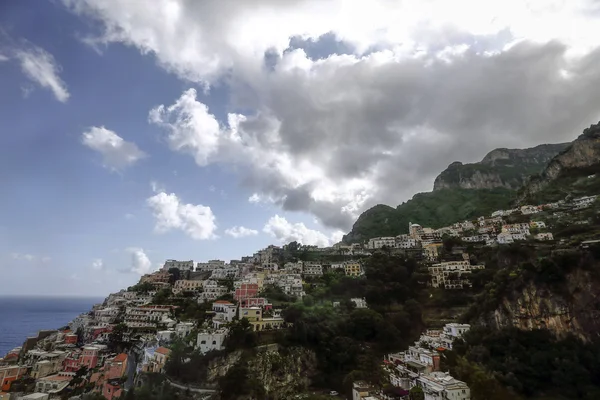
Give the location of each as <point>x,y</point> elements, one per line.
<point>575,171</point>
<point>506,168</point>
<point>435,209</point>
<point>460,192</point>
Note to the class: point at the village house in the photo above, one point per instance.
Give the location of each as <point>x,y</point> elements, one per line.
<point>543,236</point>
<point>184,285</point>
<point>246,290</point>
<point>379,242</point>
<point>146,316</point>
<point>583,202</point>
<point>180,265</point>
<point>211,265</point>
<point>53,385</point>
<point>451,274</point>
<point>210,340</point>
<point>254,315</point>
<point>353,268</point>
<point>312,269</point>
<point>211,290</point>
<point>9,374</point>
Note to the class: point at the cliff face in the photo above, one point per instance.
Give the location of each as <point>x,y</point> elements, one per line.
<point>504,168</point>
<point>576,311</point>
<point>282,372</point>
<point>583,155</point>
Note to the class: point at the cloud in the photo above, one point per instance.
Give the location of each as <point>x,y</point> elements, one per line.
<point>284,231</point>
<point>240,231</point>
<point>140,263</point>
<point>116,152</point>
<point>3,57</point>
<point>420,85</point>
<point>129,216</point>
<point>197,221</point>
<point>23,257</point>
<point>98,264</point>
<point>202,40</point>
<point>41,67</point>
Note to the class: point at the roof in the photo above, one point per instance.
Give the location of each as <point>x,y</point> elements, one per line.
<point>120,358</point>
<point>163,350</point>
<point>34,396</point>
<point>222,302</point>
<point>57,378</point>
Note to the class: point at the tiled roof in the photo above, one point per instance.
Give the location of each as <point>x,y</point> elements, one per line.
<point>163,350</point>
<point>120,358</point>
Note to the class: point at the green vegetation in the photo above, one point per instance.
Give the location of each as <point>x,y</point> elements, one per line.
<point>436,209</point>
<point>529,363</point>
<point>569,184</point>
<point>350,342</point>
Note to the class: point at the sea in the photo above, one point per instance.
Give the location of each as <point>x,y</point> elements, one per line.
<point>21,317</point>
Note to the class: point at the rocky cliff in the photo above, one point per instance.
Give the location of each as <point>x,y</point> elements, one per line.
<point>505,168</point>
<point>282,373</point>
<point>581,157</point>
<point>575,310</point>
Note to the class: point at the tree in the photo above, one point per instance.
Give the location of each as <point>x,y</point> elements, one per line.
<point>241,335</point>
<point>416,393</point>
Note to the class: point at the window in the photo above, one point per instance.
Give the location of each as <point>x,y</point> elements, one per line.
<point>203,342</point>
<point>214,342</point>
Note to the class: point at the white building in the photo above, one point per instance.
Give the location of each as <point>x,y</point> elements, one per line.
<point>359,303</point>
<point>442,386</point>
<point>527,210</point>
<point>211,340</point>
<point>544,236</point>
<point>184,328</point>
<point>225,312</point>
<point>537,224</point>
<point>584,202</point>
<point>379,242</point>
<point>211,265</point>
<point>180,265</point>
<point>146,316</point>
<point>312,269</point>
<point>211,291</point>
<point>452,274</point>
<point>225,272</point>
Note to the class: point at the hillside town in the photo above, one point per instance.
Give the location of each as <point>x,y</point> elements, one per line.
<point>86,354</point>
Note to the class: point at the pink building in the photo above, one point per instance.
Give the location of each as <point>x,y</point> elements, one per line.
<point>256,302</point>
<point>90,356</point>
<point>70,338</point>
<point>111,390</point>
<point>116,367</point>
<point>245,291</point>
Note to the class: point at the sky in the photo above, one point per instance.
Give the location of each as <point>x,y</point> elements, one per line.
<point>210,129</point>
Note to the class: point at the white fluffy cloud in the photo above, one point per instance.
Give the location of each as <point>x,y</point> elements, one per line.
<point>98,264</point>
<point>140,263</point>
<point>116,152</point>
<point>284,231</point>
<point>419,84</point>
<point>197,221</point>
<point>199,40</point>
<point>240,232</point>
<point>41,67</point>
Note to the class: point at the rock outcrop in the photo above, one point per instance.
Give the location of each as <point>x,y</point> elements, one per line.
<point>583,154</point>
<point>505,168</point>
<point>282,372</point>
<point>576,311</point>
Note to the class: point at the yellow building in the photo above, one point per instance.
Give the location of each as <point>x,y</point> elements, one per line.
<point>255,317</point>
<point>353,268</point>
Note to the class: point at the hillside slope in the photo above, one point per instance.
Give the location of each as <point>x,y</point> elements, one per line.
<point>436,209</point>
<point>506,168</point>
<point>568,172</point>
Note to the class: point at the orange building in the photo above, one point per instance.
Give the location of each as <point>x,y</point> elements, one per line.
<point>10,374</point>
